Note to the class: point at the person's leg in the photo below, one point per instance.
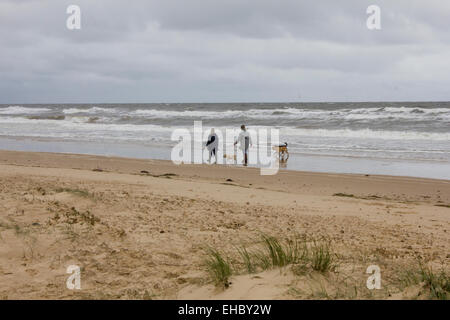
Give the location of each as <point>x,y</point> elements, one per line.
<point>210,154</point>
<point>245,157</point>
<point>215,154</point>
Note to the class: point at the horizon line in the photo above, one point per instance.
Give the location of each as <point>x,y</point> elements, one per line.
<point>234,102</point>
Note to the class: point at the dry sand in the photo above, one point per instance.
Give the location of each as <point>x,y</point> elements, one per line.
<point>142,235</point>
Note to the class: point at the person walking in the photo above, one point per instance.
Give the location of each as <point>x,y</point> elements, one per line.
<point>245,142</point>
<point>212,145</point>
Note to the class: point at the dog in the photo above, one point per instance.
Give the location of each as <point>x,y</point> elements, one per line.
<point>229,156</point>
<point>282,151</point>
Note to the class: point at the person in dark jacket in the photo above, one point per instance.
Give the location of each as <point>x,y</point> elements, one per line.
<point>212,144</point>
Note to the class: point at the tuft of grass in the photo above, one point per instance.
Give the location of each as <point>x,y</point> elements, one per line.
<point>277,255</point>
<point>271,252</point>
<point>262,260</point>
<point>438,284</point>
<point>321,257</point>
<point>29,241</point>
<point>247,259</point>
<point>409,278</point>
<point>298,250</point>
<point>280,254</point>
<point>218,267</point>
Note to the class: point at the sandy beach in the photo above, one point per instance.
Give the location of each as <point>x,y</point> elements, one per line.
<point>138,229</point>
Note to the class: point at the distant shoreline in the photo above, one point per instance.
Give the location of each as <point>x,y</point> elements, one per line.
<point>430,169</point>
<point>131,165</point>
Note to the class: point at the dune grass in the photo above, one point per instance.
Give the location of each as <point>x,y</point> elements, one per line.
<point>276,253</point>
<point>437,283</point>
<point>218,267</point>
<point>268,253</point>
<point>247,259</point>
<point>315,258</point>
<point>321,257</point>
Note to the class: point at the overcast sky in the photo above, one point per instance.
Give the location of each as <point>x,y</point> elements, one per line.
<point>223,51</point>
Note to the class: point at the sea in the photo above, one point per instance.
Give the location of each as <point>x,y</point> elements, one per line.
<point>388,138</point>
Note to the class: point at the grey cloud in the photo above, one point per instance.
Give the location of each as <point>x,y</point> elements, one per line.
<point>150,51</point>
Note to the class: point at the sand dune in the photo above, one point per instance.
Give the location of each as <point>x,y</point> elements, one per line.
<point>138,229</point>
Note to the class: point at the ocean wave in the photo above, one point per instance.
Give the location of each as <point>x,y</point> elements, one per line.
<point>368,134</point>
<point>90,110</point>
<point>416,110</point>
<point>122,114</point>
<point>94,123</point>
<point>295,113</point>
<point>51,119</point>
<point>11,110</point>
<point>83,119</point>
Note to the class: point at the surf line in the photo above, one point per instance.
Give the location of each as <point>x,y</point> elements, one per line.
<point>189,310</point>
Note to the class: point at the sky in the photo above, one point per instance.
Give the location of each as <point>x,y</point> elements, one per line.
<point>146,51</point>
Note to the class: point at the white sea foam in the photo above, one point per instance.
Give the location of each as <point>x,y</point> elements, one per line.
<point>276,113</point>
<point>11,110</point>
<point>92,110</point>
<point>368,134</point>
<point>93,124</point>
<point>294,113</point>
